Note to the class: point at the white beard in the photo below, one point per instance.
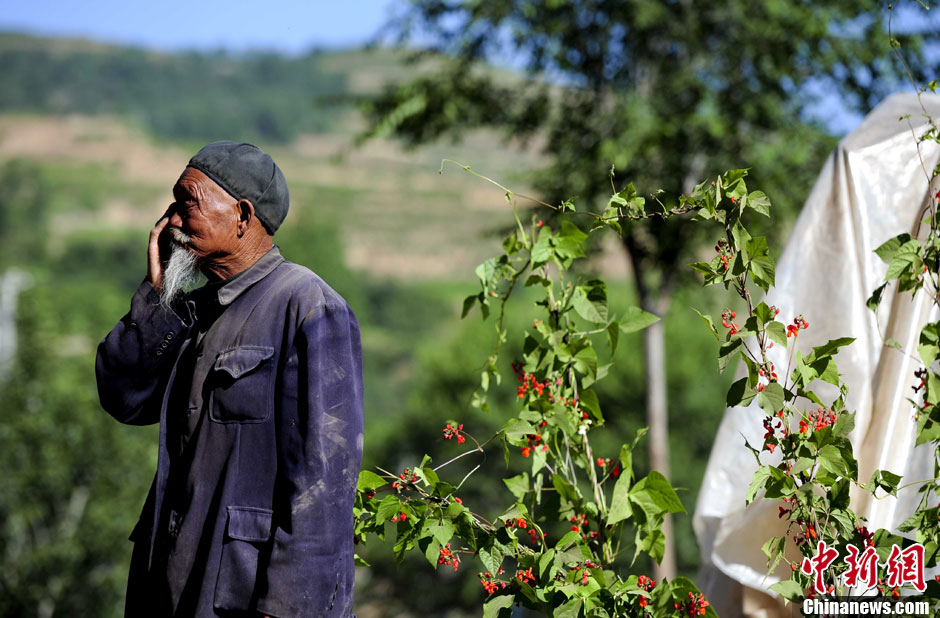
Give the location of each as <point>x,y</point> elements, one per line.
<point>181,271</point>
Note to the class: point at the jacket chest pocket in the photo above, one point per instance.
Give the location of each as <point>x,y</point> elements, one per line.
<point>242,385</point>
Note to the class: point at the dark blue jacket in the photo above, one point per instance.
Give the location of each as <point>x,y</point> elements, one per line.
<point>257,386</point>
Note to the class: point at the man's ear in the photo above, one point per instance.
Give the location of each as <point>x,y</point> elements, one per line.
<point>246,212</point>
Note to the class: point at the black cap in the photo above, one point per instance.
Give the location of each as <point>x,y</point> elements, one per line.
<point>247,173</point>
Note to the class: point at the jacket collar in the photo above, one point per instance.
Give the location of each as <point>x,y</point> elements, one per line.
<point>228,292</point>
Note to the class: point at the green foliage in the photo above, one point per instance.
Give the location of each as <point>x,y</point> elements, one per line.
<point>74,478</point>
<point>805,459</point>
<point>259,96</point>
<point>560,568</point>
<point>660,94</point>
<point>24,212</point>
<point>667,93</point>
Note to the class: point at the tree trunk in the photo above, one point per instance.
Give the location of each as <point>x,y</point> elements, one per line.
<point>655,300</point>
<point>657,417</point>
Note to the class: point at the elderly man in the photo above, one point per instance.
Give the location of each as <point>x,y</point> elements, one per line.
<point>256,382</point>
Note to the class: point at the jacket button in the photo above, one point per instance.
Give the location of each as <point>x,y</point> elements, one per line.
<point>164,345</point>
<point>159,352</point>
<point>168,336</point>
<point>132,324</point>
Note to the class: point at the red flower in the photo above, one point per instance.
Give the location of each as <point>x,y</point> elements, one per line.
<point>451,432</point>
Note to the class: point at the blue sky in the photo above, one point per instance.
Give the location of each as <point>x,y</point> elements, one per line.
<point>287,26</point>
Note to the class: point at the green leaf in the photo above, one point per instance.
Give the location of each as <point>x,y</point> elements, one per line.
<point>613,336</point>
<point>547,565</point>
<point>761,476</point>
<point>758,201</point>
<point>568,243</point>
<point>773,549</point>
<point>739,394</point>
<point>491,557</point>
<point>726,351</point>
<point>511,243</point>
<point>757,247</point>
<point>831,346</point>
<point>620,508</point>
<point>534,279</point>
<point>590,301</point>
<point>803,463</point>
<point>589,401</point>
<point>492,607</point>
<point>771,398</point>
<point>844,521</point>
<point>539,458</point>
<point>885,480</point>
<point>442,532</point>
<point>927,430</point>
<point>468,303</point>
<point>777,333</point>
<point>933,388</point>
<point>887,250</point>
<point>655,495</point>
<point>845,423</point>
<point>585,362</point>
<point>929,345</point>
<point>702,267</point>
<point>431,548</point>
<point>369,480</point>
<point>650,539</point>
<point>518,485</point>
<point>709,323</point>
<point>741,238</point>
<point>763,313</point>
<point>628,202</point>
<point>626,454</point>
<point>875,299</point>
<point>570,609</point>
<point>636,319</point>
<point>762,271</point>
<point>566,491</point>
<point>907,258</point>
<point>832,459</point>
<point>788,589</point>
<point>542,249</point>
<point>517,428</point>
<point>826,370</point>
<point>389,506</point>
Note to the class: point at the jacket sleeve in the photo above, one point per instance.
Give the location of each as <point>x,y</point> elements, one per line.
<point>135,358</point>
<point>311,567</point>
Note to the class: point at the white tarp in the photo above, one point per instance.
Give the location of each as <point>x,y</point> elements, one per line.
<point>871,188</point>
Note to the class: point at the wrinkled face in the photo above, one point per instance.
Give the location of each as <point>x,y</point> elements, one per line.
<point>207,214</point>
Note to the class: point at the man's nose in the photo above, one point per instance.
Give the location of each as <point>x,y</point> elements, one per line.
<point>175,219</point>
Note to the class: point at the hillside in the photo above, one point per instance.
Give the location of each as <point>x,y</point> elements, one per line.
<point>88,109</point>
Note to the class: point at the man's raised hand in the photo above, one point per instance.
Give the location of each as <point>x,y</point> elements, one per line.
<point>154,257</point>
